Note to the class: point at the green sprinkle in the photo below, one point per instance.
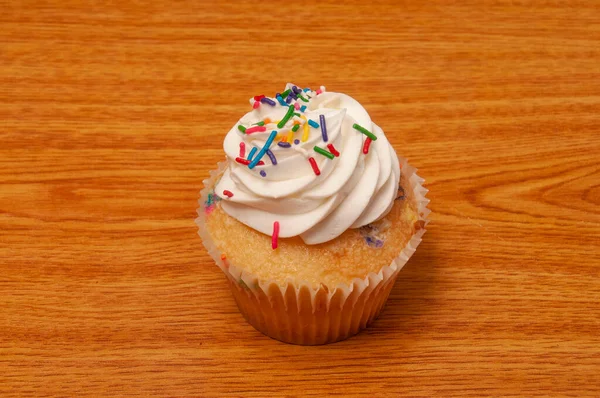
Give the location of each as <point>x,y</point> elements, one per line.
<point>323,152</point>
<point>287,117</point>
<point>242,128</point>
<point>297,114</point>
<point>295,128</point>
<point>303,99</point>
<point>261,123</point>
<point>286,93</point>
<point>364,131</point>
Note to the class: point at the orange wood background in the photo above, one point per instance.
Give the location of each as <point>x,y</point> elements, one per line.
<point>111,116</point>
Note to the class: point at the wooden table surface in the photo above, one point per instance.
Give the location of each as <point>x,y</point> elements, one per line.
<point>111,116</point>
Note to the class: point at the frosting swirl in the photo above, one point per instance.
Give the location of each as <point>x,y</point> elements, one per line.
<point>315,179</point>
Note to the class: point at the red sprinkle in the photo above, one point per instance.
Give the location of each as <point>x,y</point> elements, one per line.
<point>242,149</point>
<point>319,91</point>
<point>333,150</point>
<point>315,168</point>
<point>227,193</point>
<point>367,145</point>
<point>223,257</point>
<point>256,129</point>
<point>275,236</point>
<point>256,104</point>
<point>258,97</point>
<point>247,162</point>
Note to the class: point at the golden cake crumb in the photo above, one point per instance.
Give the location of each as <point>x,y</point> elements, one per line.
<point>353,254</point>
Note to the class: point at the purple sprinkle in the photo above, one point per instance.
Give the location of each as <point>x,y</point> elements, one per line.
<point>284,144</point>
<point>272,157</point>
<point>323,127</point>
<point>263,173</point>
<point>288,99</point>
<point>294,96</point>
<point>268,101</point>
<point>296,90</point>
<point>296,142</point>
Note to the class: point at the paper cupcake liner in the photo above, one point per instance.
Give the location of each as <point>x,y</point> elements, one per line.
<point>296,312</point>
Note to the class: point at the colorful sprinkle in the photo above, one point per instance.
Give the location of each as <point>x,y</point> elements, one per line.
<point>227,193</point>
<point>287,117</point>
<point>319,91</point>
<point>296,106</point>
<point>323,152</point>
<point>223,257</point>
<point>247,162</point>
<point>286,93</point>
<point>290,137</point>
<point>261,123</point>
<point>295,128</point>
<point>306,89</point>
<point>268,101</point>
<point>242,149</point>
<point>267,120</point>
<point>364,131</point>
<point>256,104</point>
<point>284,144</point>
<point>272,157</point>
<point>306,132</point>
<point>294,96</point>
<point>366,145</point>
<point>302,108</point>
<point>313,124</point>
<point>275,236</point>
<point>258,97</point>
<point>296,142</point>
<point>289,99</point>
<point>297,114</point>
<point>263,150</point>
<point>303,99</point>
<point>333,150</point>
<point>252,153</point>
<point>296,90</point>
<point>280,100</point>
<point>313,164</point>
<point>241,128</point>
<point>256,129</point>
<point>323,127</point>
<point>263,173</point>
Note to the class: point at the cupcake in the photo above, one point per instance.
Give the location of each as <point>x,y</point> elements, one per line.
<point>311,216</point>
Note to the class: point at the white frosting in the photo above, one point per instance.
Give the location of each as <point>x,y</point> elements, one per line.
<point>352,190</point>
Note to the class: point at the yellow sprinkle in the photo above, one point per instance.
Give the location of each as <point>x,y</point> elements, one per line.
<point>306,130</point>
<point>290,137</point>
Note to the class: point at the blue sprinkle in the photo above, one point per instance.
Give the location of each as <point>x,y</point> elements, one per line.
<point>280,100</point>
<point>268,101</point>
<point>252,153</point>
<point>284,144</point>
<point>302,108</point>
<point>306,89</point>
<point>296,142</point>
<point>263,173</point>
<point>313,123</point>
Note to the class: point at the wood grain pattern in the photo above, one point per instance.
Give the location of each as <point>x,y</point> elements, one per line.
<point>111,115</point>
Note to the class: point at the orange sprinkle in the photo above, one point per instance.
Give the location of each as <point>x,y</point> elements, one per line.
<point>223,257</point>
<point>267,120</point>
